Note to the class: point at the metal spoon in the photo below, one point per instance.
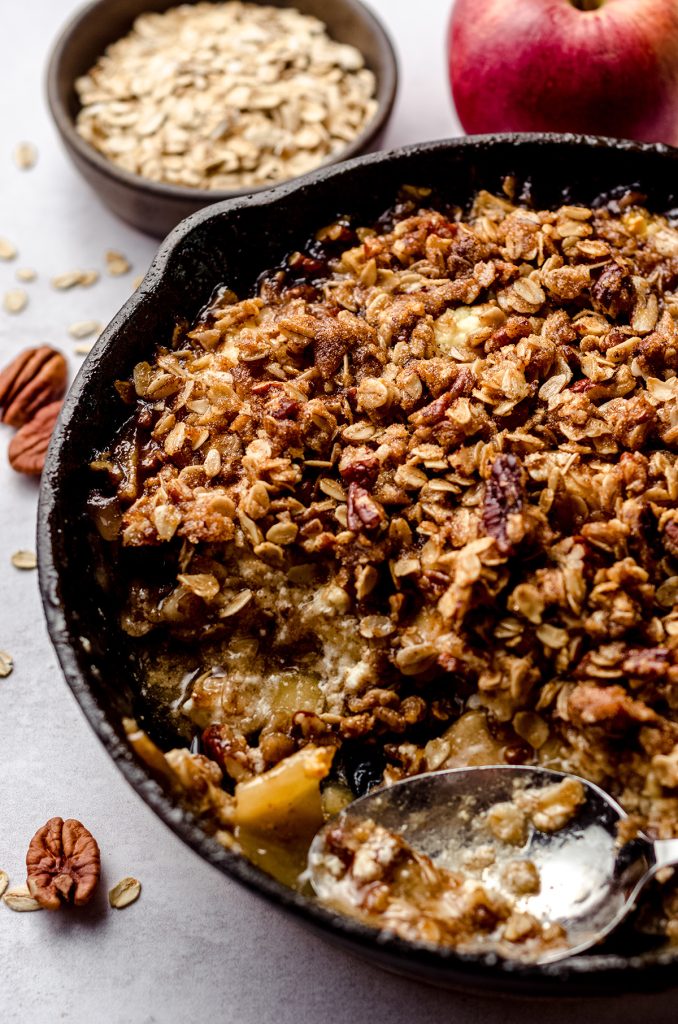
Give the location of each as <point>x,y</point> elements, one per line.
<point>588,883</point>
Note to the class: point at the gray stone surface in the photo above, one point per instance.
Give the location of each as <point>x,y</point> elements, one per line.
<point>196,947</point>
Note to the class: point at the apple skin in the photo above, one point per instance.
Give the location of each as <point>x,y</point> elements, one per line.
<point>547,65</point>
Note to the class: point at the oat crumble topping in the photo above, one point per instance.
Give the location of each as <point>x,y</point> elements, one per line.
<point>418,493</point>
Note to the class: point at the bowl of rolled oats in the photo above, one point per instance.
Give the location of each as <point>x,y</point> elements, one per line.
<point>166,108</point>
<point>383,481</point>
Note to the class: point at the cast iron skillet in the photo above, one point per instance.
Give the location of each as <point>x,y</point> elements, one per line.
<point>233,242</point>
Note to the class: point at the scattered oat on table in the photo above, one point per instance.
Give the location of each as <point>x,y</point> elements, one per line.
<point>84,348</point>
<point>24,560</point>
<point>6,664</point>
<point>71,278</point>
<point>7,249</point>
<point>116,263</point>
<point>125,892</point>
<point>225,96</point>
<point>25,156</point>
<point>84,328</point>
<point>26,274</point>
<point>15,300</point>
<point>19,898</point>
<point>4,881</point>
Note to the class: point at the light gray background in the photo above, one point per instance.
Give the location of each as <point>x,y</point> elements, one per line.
<point>196,947</point>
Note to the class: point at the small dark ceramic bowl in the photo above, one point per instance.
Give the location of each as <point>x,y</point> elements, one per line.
<point>155,207</point>
<point>233,242</point>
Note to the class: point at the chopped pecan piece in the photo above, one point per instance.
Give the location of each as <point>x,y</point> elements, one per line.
<point>670,537</point>
<point>230,751</point>
<point>363,511</point>
<point>515,328</point>
<point>647,662</point>
<point>609,706</point>
<point>359,465</point>
<point>613,292</point>
<point>504,498</point>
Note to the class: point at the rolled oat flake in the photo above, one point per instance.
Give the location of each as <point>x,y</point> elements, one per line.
<point>125,892</point>
<point>84,348</point>
<point>20,899</point>
<point>71,278</point>
<point>24,560</point>
<point>25,156</point>
<point>116,263</point>
<point>7,249</point>
<point>84,328</point>
<point>6,664</point>
<point>15,300</point>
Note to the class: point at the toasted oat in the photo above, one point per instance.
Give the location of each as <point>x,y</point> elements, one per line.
<point>237,604</point>
<point>19,898</point>
<point>83,328</point>
<point>15,300</point>
<point>6,664</point>
<point>26,274</point>
<point>8,250</point>
<point>116,263</point>
<point>25,156</point>
<point>125,892</point>
<point>4,881</point>
<point>24,560</point>
<point>270,98</point>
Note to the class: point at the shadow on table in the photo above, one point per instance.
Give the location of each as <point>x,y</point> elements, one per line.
<point>315,982</point>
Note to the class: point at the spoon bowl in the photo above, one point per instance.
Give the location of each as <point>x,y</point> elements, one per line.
<point>589,880</point>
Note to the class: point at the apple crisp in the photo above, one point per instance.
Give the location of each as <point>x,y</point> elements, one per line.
<point>414,500</point>
<point>373,874</point>
<point>463,883</point>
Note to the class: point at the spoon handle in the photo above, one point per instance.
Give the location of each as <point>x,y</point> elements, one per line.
<point>665,854</point>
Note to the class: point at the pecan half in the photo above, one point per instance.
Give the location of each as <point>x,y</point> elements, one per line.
<point>28,447</point>
<point>63,864</point>
<point>35,378</point>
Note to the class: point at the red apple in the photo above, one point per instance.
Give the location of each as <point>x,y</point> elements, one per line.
<point>606,67</point>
